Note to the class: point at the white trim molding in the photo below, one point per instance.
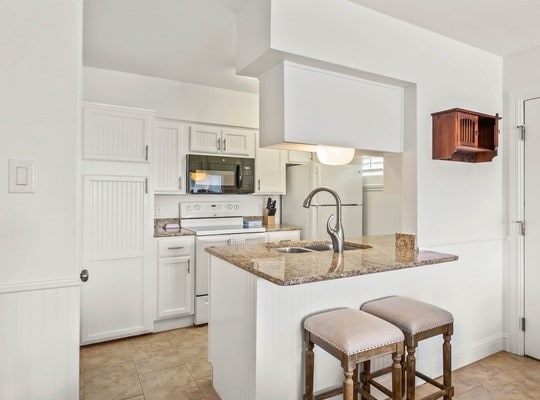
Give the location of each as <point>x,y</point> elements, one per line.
<point>38,285</point>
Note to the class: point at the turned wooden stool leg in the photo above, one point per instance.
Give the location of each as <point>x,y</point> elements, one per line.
<point>411,368</point>
<point>396,376</point>
<point>365,376</point>
<point>348,383</point>
<point>356,378</point>
<point>447,366</point>
<point>309,367</point>
<point>403,376</point>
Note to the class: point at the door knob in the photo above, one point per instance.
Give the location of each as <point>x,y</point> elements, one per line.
<point>84,275</point>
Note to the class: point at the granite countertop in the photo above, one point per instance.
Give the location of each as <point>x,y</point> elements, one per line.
<point>375,254</point>
<point>160,231</point>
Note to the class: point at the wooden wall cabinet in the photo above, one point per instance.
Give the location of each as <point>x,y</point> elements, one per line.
<point>463,135</point>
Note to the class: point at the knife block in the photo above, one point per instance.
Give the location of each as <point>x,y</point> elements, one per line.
<point>268,220</point>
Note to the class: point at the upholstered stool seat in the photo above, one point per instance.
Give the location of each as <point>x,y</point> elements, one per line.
<point>352,336</point>
<point>418,321</point>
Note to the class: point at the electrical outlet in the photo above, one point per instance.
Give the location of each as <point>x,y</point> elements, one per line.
<point>158,210</point>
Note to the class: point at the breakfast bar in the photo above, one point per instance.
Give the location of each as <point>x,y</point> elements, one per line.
<point>260,293</point>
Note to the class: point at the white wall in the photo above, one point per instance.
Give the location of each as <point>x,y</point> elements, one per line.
<point>458,206</point>
<point>171,99</point>
<point>40,43</point>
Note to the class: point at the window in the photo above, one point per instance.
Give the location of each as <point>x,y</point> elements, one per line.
<point>372,165</point>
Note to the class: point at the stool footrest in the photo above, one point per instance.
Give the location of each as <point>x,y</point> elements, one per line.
<point>433,396</point>
<point>429,380</point>
<point>380,388</point>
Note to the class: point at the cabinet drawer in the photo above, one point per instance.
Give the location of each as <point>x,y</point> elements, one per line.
<point>173,247</point>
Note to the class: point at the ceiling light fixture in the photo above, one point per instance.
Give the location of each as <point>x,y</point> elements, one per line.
<point>331,155</point>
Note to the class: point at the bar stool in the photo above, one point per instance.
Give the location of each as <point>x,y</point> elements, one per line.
<point>418,321</point>
<point>352,336</point>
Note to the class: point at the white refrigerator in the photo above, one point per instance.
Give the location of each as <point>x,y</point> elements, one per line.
<point>346,180</point>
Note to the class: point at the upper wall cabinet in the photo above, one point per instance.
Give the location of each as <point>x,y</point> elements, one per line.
<point>463,135</point>
<point>270,171</point>
<point>170,148</point>
<point>300,104</point>
<point>116,133</point>
<point>216,140</point>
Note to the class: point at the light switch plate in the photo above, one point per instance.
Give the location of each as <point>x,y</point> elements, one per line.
<point>21,176</point>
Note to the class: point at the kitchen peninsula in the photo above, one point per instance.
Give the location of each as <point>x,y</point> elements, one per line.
<point>260,295</point>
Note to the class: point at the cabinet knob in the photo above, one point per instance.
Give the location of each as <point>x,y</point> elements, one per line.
<point>258,184</point>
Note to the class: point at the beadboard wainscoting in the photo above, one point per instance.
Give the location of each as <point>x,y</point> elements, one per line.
<point>39,341</point>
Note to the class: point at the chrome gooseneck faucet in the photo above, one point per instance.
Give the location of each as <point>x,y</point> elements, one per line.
<point>336,233</point>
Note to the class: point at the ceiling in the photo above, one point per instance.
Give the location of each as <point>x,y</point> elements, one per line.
<point>194,40</point>
<point>502,27</point>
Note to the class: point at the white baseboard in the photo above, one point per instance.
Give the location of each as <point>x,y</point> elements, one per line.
<point>173,323</point>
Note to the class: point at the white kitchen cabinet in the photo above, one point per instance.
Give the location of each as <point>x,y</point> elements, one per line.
<point>116,300</point>
<point>176,277</point>
<point>216,140</point>
<point>278,236</point>
<point>170,149</point>
<point>270,171</point>
<point>112,133</point>
<point>175,288</point>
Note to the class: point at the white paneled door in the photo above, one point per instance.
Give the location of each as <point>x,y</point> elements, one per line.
<point>115,254</point>
<point>532,234</point>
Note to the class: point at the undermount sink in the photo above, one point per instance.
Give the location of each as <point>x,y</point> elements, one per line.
<point>316,247</point>
<point>328,246</point>
<point>292,250</point>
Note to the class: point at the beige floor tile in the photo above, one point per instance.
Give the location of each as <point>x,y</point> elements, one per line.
<point>105,354</point>
<point>113,382</point>
<point>200,370</point>
<point>148,359</point>
<point>160,339</point>
<point>195,354</point>
<point>170,382</point>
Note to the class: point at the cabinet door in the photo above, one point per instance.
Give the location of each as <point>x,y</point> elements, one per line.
<point>170,146</point>
<point>238,143</point>
<point>467,126</point>
<point>204,139</point>
<point>270,171</point>
<point>116,222</point>
<point>175,287</point>
<point>115,134</point>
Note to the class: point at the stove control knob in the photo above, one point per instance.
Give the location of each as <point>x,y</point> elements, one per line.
<point>236,207</point>
<point>188,208</point>
<point>197,207</point>
<point>229,206</point>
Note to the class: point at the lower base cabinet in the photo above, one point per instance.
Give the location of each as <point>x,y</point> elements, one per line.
<point>176,277</point>
<point>175,290</point>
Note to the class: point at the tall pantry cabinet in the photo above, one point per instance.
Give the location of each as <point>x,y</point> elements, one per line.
<point>116,248</point>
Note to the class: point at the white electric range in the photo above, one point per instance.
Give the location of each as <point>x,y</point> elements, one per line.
<point>215,223</point>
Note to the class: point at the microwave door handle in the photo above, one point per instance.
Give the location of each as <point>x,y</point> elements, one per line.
<point>238,176</point>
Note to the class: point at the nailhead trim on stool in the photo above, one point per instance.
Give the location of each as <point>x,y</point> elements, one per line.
<point>352,336</point>
<point>418,321</point>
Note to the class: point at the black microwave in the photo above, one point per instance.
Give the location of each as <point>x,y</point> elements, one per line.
<point>220,175</point>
